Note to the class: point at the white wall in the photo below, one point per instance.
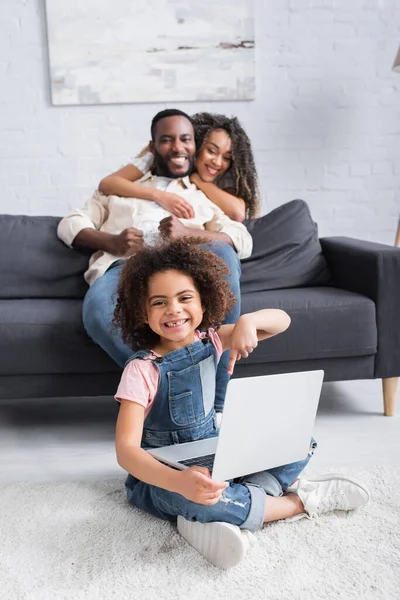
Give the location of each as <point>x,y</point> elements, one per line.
<point>325,124</point>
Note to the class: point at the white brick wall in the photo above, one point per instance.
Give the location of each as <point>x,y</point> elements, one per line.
<point>325,124</point>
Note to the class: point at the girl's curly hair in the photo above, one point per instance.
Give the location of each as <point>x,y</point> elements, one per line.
<point>186,256</point>
<point>242,169</point>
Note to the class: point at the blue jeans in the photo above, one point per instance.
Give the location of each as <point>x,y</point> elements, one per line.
<point>275,481</point>
<point>100,300</point>
<point>242,503</point>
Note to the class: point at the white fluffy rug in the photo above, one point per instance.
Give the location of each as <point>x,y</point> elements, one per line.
<point>82,541</point>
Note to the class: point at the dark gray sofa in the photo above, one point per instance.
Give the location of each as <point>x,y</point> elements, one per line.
<point>343,296</point>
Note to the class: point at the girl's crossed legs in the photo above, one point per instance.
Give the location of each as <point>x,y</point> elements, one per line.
<point>245,505</point>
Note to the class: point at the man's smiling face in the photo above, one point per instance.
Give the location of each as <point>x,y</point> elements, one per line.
<point>173,147</point>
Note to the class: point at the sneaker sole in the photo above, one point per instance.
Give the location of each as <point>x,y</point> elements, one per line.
<point>220,543</point>
<point>328,476</point>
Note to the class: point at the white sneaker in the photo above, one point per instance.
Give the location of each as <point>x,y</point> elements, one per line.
<point>222,544</point>
<point>325,493</point>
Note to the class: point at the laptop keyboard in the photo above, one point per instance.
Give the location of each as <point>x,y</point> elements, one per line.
<point>199,461</point>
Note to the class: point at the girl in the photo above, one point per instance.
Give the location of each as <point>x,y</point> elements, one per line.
<point>225,171</point>
<point>171,302</point>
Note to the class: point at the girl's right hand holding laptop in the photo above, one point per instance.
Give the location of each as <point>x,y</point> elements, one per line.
<point>196,485</point>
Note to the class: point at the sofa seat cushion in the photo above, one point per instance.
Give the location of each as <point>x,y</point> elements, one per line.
<point>47,336</point>
<point>326,322</point>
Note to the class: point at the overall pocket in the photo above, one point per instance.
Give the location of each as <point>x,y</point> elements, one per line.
<point>191,392</point>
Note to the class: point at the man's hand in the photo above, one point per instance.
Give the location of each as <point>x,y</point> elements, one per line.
<point>129,241</point>
<point>175,204</point>
<point>196,485</point>
<point>244,340</point>
<point>172,229</point>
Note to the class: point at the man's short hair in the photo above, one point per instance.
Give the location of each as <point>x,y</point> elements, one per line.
<point>168,112</point>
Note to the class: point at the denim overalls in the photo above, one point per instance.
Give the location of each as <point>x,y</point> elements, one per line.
<point>183,411</point>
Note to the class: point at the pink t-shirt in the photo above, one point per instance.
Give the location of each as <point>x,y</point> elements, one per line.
<point>139,380</point>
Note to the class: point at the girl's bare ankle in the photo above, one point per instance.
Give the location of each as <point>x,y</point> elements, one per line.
<point>297,503</point>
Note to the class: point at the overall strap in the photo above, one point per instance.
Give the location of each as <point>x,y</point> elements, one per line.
<point>142,354</point>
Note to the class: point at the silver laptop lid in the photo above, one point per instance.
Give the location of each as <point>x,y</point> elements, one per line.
<point>267,422</point>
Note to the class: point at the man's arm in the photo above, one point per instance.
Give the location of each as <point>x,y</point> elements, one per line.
<point>128,241</point>
<point>92,216</point>
<point>91,238</point>
<point>81,227</point>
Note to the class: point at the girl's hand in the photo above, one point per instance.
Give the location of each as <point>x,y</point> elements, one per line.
<point>244,340</point>
<point>175,204</point>
<point>196,485</point>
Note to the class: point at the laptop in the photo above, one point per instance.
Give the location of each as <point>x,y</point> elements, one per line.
<point>267,422</point>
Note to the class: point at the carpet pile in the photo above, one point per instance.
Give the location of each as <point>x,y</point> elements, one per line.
<point>82,541</point>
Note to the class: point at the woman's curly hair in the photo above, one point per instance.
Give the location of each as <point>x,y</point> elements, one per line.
<point>242,169</point>
<point>186,256</point>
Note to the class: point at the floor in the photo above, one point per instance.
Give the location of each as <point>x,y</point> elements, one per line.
<point>73,439</point>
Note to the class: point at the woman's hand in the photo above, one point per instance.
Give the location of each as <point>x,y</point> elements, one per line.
<point>244,340</point>
<point>196,485</point>
<point>175,204</point>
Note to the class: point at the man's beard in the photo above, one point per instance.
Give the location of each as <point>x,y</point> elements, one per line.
<point>160,167</point>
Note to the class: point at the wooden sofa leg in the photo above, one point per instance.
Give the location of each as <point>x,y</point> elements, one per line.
<point>397,239</point>
<point>389,386</point>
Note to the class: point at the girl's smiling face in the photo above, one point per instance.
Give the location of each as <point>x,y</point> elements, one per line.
<point>215,155</point>
<point>174,309</point>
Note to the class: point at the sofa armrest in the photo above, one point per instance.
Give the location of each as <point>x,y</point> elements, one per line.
<point>372,270</point>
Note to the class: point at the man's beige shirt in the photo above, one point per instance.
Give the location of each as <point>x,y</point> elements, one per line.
<point>113,214</point>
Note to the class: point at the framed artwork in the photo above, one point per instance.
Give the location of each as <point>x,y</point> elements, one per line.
<point>150,50</point>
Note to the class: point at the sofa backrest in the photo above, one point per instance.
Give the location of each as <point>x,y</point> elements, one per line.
<point>34,263</point>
